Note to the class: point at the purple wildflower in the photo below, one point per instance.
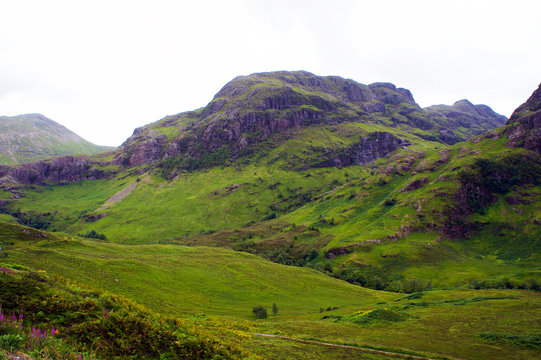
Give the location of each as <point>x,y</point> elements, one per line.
<point>20,316</point>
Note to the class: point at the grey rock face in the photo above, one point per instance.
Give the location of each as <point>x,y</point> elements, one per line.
<point>371,147</point>
<point>525,124</point>
<point>61,169</point>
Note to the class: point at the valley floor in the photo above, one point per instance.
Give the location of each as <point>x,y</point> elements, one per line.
<point>214,290</point>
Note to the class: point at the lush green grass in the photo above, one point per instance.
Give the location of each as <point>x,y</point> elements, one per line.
<point>206,200</point>
<point>66,204</point>
<point>225,285</point>
<point>178,279</point>
<point>442,328</point>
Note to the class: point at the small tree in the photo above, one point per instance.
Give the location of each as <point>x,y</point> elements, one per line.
<point>260,312</point>
<point>274,308</point>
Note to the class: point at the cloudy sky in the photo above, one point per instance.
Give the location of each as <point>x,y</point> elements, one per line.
<point>103,68</point>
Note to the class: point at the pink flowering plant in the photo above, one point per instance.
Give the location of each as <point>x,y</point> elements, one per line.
<point>38,342</point>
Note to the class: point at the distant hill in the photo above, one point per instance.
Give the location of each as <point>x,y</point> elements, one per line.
<point>465,118</point>
<point>32,137</point>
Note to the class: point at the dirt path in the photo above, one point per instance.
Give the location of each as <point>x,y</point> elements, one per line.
<point>365,349</point>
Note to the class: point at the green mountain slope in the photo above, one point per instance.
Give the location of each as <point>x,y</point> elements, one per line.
<point>364,190</point>
<point>32,137</point>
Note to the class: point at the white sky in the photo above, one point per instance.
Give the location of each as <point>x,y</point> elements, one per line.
<point>103,68</point>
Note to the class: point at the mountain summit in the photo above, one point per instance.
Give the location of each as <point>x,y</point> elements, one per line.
<point>31,137</point>
<point>250,109</point>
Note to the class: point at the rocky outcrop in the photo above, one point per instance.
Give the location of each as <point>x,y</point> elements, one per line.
<point>93,217</point>
<point>58,170</point>
<point>415,184</point>
<point>525,124</point>
<point>371,147</point>
<point>390,94</point>
<point>141,148</point>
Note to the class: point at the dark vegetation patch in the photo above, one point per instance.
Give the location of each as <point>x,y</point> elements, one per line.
<point>466,301</point>
<point>506,283</point>
<point>479,184</point>
<point>412,296</point>
<point>202,159</point>
<point>386,277</point>
<point>33,219</point>
<point>530,341</point>
<point>328,308</point>
<point>275,240</point>
<point>375,316</point>
<point>93,235</point>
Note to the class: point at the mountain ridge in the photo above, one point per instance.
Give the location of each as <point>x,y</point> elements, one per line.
<point>254,107</point>
<point>263,110</point>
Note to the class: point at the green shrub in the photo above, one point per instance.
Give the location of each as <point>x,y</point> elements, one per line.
<point>270,216</point>
<point>11,342</point>
<point>260,312</point>
<point>389,202</point>
<point>274,308</point>
<point>93,235</point>
<point>87,320</point>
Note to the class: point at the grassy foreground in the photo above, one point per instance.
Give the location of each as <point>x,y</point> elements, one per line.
<point>215,289</point>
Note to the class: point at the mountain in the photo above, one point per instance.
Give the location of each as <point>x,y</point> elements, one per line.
<point>255,113</point>
<point>436,210</point>
<point>31,137</point>
<point>250,109</point>
<point>470,119</point>
<point>354,180</point>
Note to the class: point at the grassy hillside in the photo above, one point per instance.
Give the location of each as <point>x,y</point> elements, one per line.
<point>395,224</point>
<point>179,279</point>
<point>195,284</point>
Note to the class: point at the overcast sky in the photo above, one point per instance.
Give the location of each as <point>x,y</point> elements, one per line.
<point>103,68</point>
